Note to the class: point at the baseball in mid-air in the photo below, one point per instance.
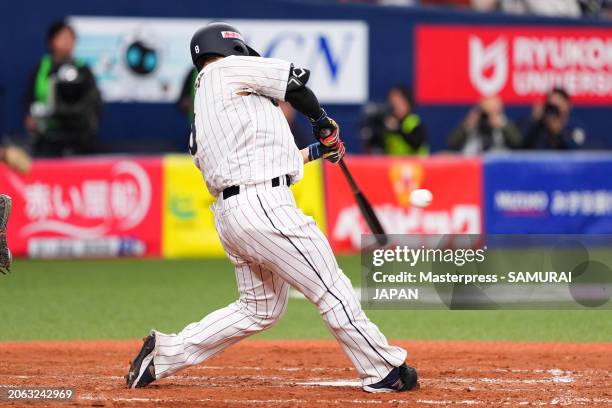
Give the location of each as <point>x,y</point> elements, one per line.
<point>421,198</point>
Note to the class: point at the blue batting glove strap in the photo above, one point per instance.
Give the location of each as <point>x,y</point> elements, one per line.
<point>314,151</point>
<point>316,121</point>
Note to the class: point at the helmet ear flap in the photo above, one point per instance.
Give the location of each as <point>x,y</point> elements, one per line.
<point>241,49</point>
<point>252,52</point>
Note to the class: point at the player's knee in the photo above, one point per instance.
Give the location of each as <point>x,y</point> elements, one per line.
<point>267,314</point>
<point>267,320</point>
<point>338,296</point>
<point>276,312</point>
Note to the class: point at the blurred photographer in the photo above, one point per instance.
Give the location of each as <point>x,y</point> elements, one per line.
<point>185,101</point>
<point>485,128</point>
<point>62,102</point>
<point>550,126</point>
<point>393,128</point>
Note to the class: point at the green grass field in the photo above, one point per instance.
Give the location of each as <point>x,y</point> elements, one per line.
<point>115,299</point>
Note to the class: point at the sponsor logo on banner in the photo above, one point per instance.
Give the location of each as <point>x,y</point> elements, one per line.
<point>537,203</point>
<point>188,222</point>
<point>147,59</point>
<point>85,200</point>
<point>522,202</point>
<point>546,194</point>
<point>387,183</point>
<point>582,202</point>
<point>518,63</point>
<point>488,65</point>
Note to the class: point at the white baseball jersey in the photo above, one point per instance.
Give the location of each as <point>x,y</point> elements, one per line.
<point>245,141</point>
<point>241,135</point>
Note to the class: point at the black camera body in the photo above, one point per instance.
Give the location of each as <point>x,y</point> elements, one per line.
<point>484,125</point>
<point>372,126</point>
<point>74,112</point>
<point>551,110</point>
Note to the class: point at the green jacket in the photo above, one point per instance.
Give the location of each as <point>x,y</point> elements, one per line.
<point>409,139</point>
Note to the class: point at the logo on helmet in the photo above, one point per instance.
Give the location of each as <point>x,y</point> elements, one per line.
<point>232,34</point>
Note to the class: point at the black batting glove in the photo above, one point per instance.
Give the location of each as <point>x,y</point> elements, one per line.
<point>326,130</point>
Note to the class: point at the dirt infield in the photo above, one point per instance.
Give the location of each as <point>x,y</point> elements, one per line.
<point>316,374</point>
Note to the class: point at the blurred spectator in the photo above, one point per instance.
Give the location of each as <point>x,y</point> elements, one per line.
<point>551,8</point>
<point>62,102</point>
<point>393,128</point>
<point>596,8</point>
<point>550,126</point>
<point>187,96</point>
<point>485,128</point>
<point>303,136</point>
<point>486,5</point>
<point>452,3</point>
<point>405,3</point>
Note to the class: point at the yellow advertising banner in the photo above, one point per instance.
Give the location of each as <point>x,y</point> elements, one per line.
<point>188,228</point>
<point>309,194</point>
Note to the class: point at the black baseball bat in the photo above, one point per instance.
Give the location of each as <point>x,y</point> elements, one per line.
<point>365,207</point>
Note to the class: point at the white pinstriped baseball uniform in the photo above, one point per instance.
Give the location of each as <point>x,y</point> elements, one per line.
<point>244,140</point>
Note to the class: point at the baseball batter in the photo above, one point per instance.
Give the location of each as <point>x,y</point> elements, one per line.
<point>5,253</point>
<point>241,142</point>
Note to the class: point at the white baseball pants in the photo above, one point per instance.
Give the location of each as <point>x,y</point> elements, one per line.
<point>273,245</point>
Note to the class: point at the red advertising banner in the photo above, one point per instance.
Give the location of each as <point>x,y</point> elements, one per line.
<point>456,184</point>
<point>460,63</point>
<point>85,207</point>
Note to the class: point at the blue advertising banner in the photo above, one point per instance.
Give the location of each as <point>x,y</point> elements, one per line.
<point>547,193</point>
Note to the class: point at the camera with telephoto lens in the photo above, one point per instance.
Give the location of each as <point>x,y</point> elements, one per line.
<point>73,106</point>
<point>551,110</point>
<point>70,86</point>
<point>372,126</point>
<point>484,125</point>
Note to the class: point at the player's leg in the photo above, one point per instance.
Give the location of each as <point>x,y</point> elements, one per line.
<point>263,300</point>
<point>279,235</point>
<point>5,253</point>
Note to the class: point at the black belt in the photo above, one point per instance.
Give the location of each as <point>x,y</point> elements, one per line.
<point>235,190</point>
